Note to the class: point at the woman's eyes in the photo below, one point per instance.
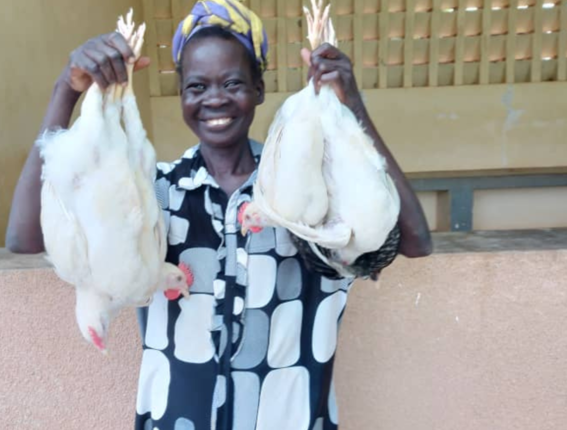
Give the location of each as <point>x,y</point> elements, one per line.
<point>234,83</point>
<point>196,86</point>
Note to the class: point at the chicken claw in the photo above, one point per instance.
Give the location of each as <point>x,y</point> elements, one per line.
<point>319,25</point>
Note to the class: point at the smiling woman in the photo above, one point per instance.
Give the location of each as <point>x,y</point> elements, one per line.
<point>253,347</point>
<point>219,97</point>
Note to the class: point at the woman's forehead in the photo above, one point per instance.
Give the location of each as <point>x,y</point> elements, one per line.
<point>214,56</point>
<point>215,49</point>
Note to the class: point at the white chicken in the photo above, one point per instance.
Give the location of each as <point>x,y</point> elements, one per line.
<point>291,191</point>
<point>102,226</point>
<point>361,199</point>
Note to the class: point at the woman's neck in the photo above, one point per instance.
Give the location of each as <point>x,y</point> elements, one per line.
<point>230,166</point>
<point>235,160</point>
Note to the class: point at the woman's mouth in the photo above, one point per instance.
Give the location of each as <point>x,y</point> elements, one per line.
<point>218,123</point>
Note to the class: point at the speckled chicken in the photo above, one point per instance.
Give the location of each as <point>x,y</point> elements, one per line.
<point>102,226</point>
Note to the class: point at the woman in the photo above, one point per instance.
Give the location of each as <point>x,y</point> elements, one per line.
<point>253,348</point>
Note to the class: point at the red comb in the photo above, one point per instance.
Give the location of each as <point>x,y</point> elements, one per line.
<point>241,212</point>
<point>97,341</point>
<point>188,273</point>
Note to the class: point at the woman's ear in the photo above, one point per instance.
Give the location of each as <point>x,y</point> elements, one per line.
<point>261,88</point>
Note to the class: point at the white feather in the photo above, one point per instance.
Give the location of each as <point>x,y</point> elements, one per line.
<point>361,192</point>
<point>290,168</point>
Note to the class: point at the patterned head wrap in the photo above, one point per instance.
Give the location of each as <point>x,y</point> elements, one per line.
<point>230,15</point>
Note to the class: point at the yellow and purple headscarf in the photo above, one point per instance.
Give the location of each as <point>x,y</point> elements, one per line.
<point>230,15</point>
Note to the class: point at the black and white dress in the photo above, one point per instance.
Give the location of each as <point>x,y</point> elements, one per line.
<point>253,347</point>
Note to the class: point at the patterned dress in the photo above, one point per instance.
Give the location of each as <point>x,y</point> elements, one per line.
<point>253,347</point>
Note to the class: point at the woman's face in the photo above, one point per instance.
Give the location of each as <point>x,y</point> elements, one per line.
<point>218,93</point>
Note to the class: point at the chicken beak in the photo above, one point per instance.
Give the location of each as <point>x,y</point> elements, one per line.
<point>185,293</point>
<point>244,230</point>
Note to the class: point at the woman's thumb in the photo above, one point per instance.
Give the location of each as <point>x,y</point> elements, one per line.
<point>306,56</point>
<point>142,63</point>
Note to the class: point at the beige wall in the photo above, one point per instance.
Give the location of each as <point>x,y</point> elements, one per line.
<point>461,341</point>
<point>456,341</point>
<point>446,129</point>
<point>513,209</point>
<point>36,37</point>
<point>505,209</point>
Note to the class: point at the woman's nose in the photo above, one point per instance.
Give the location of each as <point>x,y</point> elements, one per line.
<point>215,97</point>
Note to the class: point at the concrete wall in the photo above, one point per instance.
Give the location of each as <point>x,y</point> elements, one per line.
<point>468,341</point>
<point>444,129</point>
<point>462,341</point>
<point>36,37</point>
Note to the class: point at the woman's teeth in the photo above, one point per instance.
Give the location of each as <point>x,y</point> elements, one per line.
<point>218,122</point>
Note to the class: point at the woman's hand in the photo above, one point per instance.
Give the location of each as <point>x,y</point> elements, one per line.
<point>103,60</point>
<point>328,65</point>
